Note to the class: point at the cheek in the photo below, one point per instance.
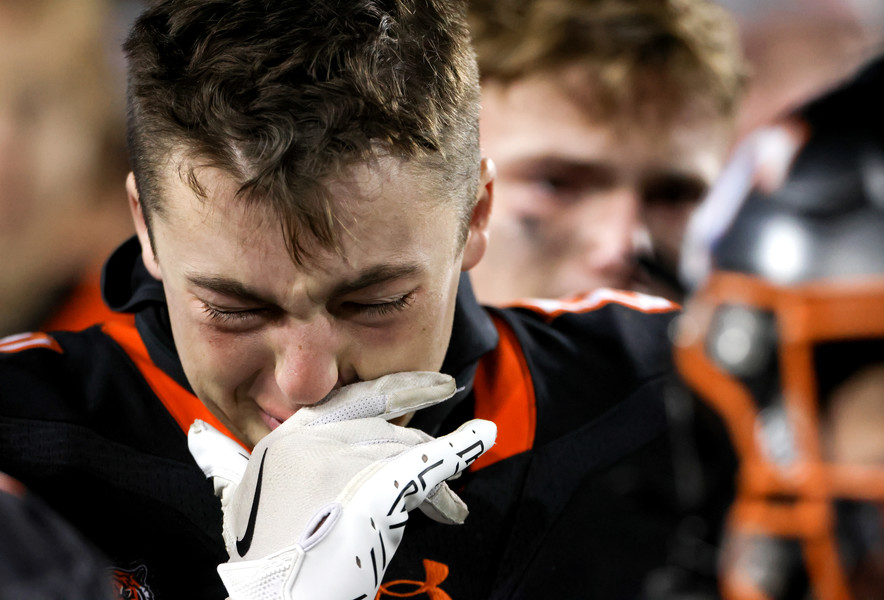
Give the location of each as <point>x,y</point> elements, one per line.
<point>526,219</point>
<point>557,232</point>
<point>221,356</point>
<point>214,362</point>
<point>666,223</point>
<point>519,196</point>
<point>415,344</point>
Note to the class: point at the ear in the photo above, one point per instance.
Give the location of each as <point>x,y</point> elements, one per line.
<point>477,240</point>
<point>147,253</point>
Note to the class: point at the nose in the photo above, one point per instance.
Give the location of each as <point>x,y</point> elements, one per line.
<point>620,235</point>
<point>306,370</point>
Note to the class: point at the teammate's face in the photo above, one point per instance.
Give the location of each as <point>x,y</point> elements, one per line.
<point>578,198</point>
<point>259,336</point>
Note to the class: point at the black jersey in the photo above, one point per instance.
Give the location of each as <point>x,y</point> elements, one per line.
<point>575,500</point>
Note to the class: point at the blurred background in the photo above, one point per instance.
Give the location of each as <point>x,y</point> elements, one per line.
<point>62,158</point>
<point>796,47</point>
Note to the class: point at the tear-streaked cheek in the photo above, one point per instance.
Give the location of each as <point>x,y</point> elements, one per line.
<point>416,344</point>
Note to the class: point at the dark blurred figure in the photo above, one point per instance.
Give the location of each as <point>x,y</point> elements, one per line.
<point>41,556</point>
<point>62,160</point>
<point>784,338</point>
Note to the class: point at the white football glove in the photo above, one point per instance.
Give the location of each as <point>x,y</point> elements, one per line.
<point>323,501</point>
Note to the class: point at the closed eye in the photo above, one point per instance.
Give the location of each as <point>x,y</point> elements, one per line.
<point>380,309</point>
<point>248,316</point>
<point>226,316</point>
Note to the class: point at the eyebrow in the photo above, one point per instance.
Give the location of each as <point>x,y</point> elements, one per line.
<point>372,276</point>
<point>597,171</point>
<point>377,275</point>
<point>227,287</point>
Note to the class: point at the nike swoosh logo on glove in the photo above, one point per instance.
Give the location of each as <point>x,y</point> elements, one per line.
<point>243,545</point>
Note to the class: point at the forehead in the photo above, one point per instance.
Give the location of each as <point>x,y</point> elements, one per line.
<point>545,115</point>
<point>369,204</point>
<point>353,185</point>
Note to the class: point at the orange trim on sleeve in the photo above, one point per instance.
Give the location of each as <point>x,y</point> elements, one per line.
<point>181,404</point>
<point>28,341</point>
<point>504,393</point>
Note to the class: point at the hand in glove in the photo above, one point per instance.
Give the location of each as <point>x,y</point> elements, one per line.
<point>324,499</point>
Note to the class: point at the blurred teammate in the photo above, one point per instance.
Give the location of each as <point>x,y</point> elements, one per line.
<point>784,337</point>
<point>62,158</point>
<point>607,121</point>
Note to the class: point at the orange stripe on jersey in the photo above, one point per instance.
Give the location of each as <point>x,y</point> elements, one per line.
<point>84,307</point>
<point>28,341</point>
<point>504,393</point>
<point>589,301</point>
<point>181,404</point>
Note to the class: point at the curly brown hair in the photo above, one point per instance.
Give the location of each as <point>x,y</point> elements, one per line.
<point>283,96</point>
<point>626,50</point>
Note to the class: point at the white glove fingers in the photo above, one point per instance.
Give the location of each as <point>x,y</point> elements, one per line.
<point>473,438</point>
<point>418,390</point>
<point>415,474</point>
<point>444,506</point>
<point>215,453</point>
<point>348,549</point>
<point>388,397</point>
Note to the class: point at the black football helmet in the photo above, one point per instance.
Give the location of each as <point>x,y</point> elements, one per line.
<point>786,308</point>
